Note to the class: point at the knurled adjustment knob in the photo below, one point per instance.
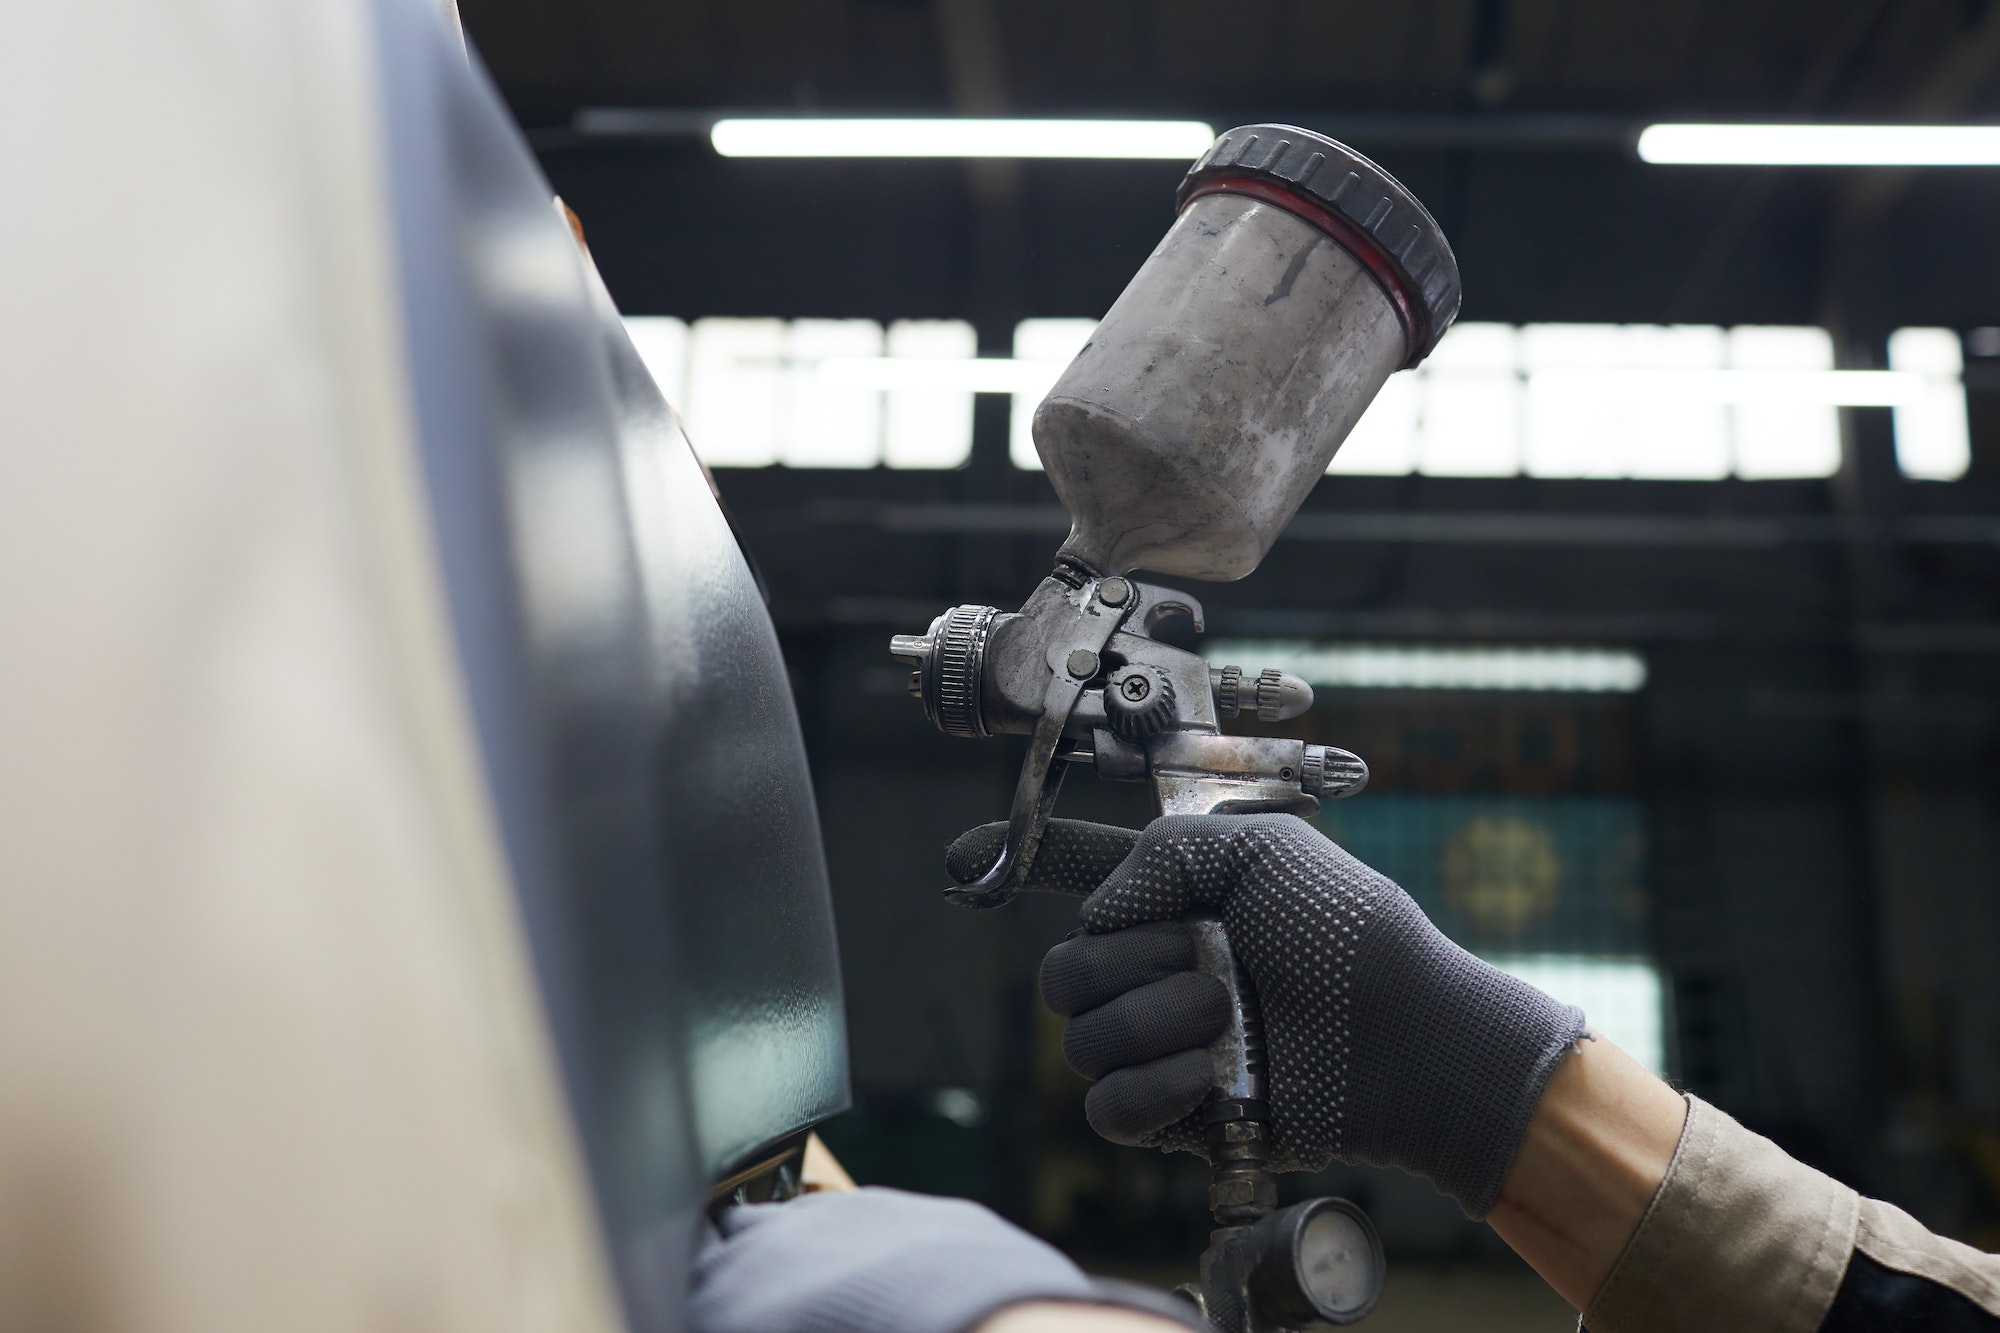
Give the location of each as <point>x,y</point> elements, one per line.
<point>1229,691</point>
<point>1139,702</point>
<point>1270,694</point>
<point>1332,773</point>
<point>954,670</point>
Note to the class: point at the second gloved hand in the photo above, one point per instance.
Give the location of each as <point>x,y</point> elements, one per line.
<point>1387,1043</point>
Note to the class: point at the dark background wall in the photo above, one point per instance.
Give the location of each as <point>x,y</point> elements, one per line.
<point>1815,748</point>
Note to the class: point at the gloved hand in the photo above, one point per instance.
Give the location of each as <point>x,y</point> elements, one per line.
<point>883,1261</point>
<point>1387,1044</point>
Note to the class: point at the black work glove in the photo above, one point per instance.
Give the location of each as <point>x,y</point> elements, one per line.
<point>1387,1043</point>
<point>883,1261</point>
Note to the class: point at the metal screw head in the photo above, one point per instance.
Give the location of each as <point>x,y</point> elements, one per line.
<point>1139,702</point>
<point>1082,664</point>
<point>1113,591</point>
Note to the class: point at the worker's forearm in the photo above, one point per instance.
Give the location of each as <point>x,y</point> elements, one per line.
<point>1596,1151</point>
<point>1600,1142</point>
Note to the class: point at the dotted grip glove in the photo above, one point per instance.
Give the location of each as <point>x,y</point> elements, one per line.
<point>1387,1043</point>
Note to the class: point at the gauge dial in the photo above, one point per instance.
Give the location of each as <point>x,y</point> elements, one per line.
<point>1337,1260</point>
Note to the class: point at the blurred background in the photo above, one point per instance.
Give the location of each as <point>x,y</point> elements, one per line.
<point>1684,708</point>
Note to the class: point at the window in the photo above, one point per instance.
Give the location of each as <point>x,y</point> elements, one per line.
<point>1049,344</point>
<point>1599,400</point>
<point>929,426</point>
<point>1621,997</point>
<point>1658,402</point>
<point>817,393</point>
<point>1775,439</point>
<point>1932,440</point>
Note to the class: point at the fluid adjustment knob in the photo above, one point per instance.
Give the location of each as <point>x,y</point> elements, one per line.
<point>1331,774</point>
<point>1139,702</point>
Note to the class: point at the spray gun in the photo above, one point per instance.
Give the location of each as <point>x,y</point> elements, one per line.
<point>1297,276</point>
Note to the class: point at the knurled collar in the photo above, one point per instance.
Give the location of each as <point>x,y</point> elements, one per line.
<point>958,658</point>
<point>1328,177</point>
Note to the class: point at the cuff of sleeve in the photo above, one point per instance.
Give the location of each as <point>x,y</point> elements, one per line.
<point>1738,1236</point>
<point>1900,1243</point>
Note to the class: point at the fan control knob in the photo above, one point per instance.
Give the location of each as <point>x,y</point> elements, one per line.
<point>1272,695</point>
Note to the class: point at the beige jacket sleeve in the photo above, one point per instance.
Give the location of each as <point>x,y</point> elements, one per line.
<point>1741,1236</point>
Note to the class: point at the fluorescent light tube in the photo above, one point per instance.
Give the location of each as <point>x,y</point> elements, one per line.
<point>1790,388</point>
<point>1385,666</point>
<point>1822,145</point>
<point>837,136</point>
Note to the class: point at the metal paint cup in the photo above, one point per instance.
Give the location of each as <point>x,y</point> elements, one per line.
<point>1297,277</point>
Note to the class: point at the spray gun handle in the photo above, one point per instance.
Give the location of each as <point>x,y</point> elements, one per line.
<point>1266,1271</point>
<point>1235,1115</point>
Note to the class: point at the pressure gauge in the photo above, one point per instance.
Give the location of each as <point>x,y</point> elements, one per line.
<point>1319,1261</point>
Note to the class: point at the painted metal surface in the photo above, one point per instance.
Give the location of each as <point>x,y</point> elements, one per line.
<point>635,719</point>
